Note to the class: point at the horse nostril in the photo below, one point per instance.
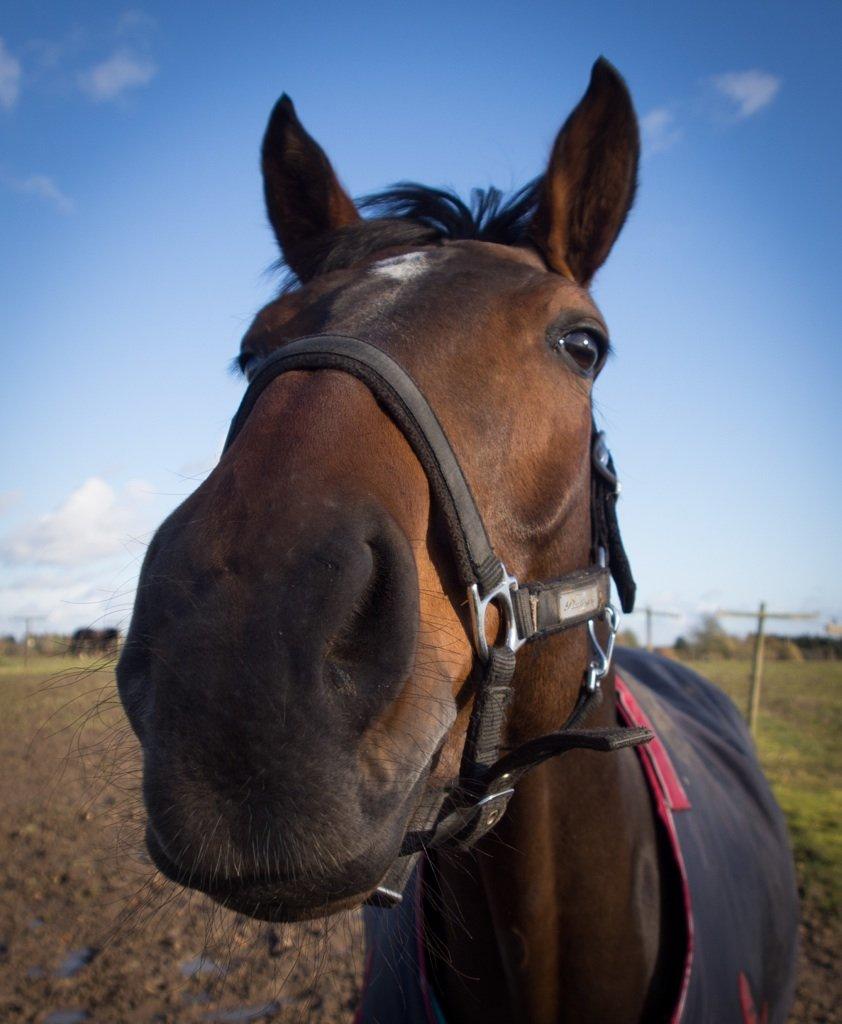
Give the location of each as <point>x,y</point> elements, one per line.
<point>370,645</point>
<point>360,617</point>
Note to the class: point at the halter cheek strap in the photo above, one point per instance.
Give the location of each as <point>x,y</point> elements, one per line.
<point>465,811</point>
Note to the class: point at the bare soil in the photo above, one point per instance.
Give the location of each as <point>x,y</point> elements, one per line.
<point>88,930</point>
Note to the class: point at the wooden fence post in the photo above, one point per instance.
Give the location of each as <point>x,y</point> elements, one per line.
<point>757,668</point>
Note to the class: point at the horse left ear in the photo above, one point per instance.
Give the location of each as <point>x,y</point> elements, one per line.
<point>304,199</point>
<point>588,190</point>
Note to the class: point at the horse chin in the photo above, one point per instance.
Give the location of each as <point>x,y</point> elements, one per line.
<point>266,899</point>
<point>279,910</point>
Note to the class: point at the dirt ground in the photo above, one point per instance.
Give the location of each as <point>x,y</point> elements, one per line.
<point>88,930</point>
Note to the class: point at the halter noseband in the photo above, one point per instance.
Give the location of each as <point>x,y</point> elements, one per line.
<point>463,813</point>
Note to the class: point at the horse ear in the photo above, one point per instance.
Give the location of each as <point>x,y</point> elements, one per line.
<point>589,186</point>
<point>304,199</point>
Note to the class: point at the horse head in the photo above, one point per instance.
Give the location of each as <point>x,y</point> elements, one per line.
<point>299,664</point>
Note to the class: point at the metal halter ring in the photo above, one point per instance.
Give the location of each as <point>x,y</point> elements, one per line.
<point>501,595</point>
<point>601,660</point>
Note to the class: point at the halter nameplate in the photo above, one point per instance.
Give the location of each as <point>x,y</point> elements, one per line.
<point>546,608</point>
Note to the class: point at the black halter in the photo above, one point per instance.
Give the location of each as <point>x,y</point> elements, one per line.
<point>529,611</point>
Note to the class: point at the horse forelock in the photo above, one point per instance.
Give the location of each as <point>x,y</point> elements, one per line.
<point>408,215</point>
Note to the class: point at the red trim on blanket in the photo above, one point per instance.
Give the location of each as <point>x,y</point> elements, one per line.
<point>747,1008</point>
<point>669,796</point>
<point>669,784</point>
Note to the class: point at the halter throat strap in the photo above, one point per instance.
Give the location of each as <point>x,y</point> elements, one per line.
<point>529,612</point>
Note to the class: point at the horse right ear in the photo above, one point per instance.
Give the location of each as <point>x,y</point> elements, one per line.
<point>304,199</point>
<point>588,189</point>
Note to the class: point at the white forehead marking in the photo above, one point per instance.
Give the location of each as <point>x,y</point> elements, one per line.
<point>402,268</point>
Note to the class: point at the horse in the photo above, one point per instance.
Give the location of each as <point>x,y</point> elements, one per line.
<point>345,688</point>
<point>95,641</point>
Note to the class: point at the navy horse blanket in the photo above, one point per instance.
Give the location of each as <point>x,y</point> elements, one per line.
<point>731,850</point>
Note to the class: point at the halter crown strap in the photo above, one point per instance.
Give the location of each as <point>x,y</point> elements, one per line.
<point>529,612</point>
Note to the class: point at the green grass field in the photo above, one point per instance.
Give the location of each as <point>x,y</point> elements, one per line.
<point>798,739</point>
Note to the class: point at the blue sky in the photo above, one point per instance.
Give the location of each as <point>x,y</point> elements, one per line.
<point>135,251</point>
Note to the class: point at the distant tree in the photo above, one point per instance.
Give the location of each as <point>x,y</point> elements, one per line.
<point>779,648</point>
<point>819,648</point>
<point>709,640</point>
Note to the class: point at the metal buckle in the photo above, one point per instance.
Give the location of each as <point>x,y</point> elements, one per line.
<point>601,659</point>
<point>502,596</point>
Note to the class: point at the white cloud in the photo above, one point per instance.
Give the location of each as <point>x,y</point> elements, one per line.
<point>659,130</point>
<point>9,77</point>
<point>79,563</point>
<point>747,91</point>
<point>43,187</point>
<point>122,70</point>
<point>69,599</point>
<point>94,522</point>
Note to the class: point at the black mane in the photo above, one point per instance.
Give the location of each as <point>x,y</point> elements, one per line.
<point>490,217</point>
<point>408,214</point>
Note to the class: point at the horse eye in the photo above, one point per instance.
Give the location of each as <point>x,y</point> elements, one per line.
<point>581,348</point>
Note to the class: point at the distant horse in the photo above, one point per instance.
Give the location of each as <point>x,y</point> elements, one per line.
<point>338,687</point>
<point>95,641</point>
